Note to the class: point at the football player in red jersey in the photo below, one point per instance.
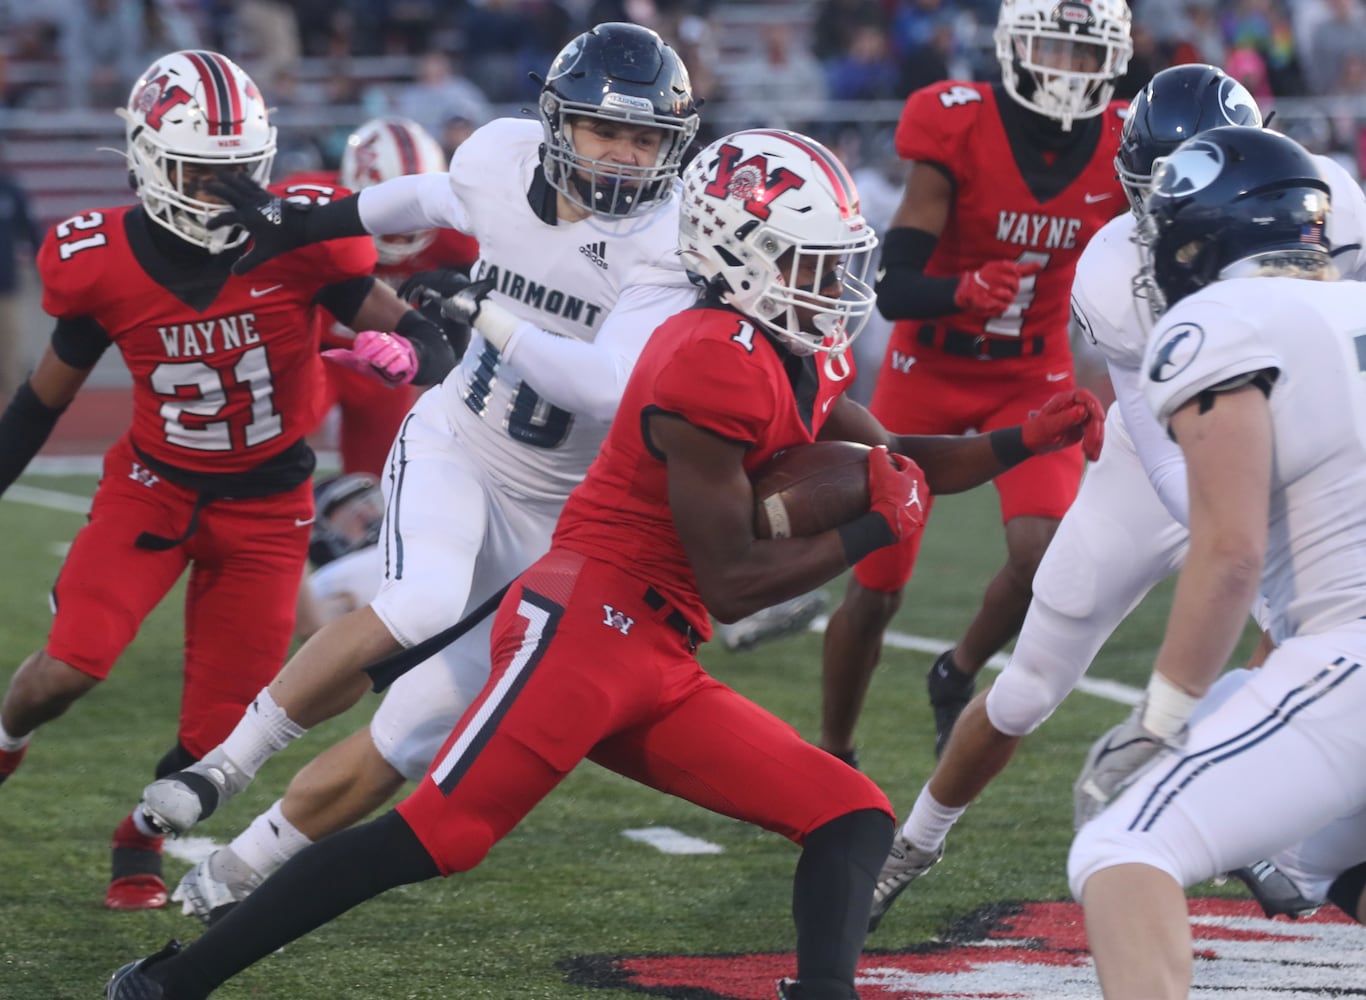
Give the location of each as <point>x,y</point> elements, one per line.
<point>370,411</point>
<point>214,471</point>
<point>1007,184</point>
<point>594,645</point>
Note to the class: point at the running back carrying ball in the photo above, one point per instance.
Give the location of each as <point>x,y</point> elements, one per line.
<point>811,488</point>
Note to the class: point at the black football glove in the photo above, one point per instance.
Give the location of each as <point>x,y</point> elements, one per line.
<point>442,284</point>
<point>276,224</point>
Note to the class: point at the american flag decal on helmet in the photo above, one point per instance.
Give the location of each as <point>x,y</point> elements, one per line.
<point>222,103</point>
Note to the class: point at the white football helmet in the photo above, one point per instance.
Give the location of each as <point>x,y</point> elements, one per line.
<point>1061,58</point>
<point>380,150</point>
<point>194,108</point>
<point>770,219</point>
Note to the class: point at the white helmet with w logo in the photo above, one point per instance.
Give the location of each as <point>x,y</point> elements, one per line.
<point>194,109</point>
<point>380,150</point>
<point>770,220</point>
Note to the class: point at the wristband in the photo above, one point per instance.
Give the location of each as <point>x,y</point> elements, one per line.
<point>496,324</point>
<point>1166,708</point>
<point>865,534</point>
<point>1007,444</point>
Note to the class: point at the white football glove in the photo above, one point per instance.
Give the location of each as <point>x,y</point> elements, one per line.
<point>1112,763</point>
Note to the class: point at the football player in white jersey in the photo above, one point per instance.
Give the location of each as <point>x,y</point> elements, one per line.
<point>577,221</point>
<point>1125,532</point>
<point>1255,368</point>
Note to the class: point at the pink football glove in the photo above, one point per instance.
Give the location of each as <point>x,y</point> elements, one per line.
<point>380,355</point>
<point>897,490</point>
<point>989,290</point>
<point>1068,417</point>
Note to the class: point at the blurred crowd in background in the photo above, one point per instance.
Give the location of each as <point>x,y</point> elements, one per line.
<point>837,69</point>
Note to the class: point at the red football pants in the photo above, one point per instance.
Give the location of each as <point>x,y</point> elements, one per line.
<point>246,561</point>
<point>582,667</point>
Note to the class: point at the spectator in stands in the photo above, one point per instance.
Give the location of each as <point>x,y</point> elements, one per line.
<point>440,93</point>
<point>867,71</point>
<point>1200,39</point>
<point>102,47</point>
<point>782,85</point>
<point>269,31</point>
<point>16,227</point>
<point>1341,36</point>
<point>836,22</point>
<point>1263,27</point>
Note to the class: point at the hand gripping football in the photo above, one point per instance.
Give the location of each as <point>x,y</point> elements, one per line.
<point>810,488</point>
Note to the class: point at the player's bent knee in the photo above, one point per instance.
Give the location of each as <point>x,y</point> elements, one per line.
<point>1021,700</point>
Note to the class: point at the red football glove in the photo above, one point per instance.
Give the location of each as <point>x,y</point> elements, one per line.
<point>383,356</point>
<point>1069,417</point>
<point>989,290</point>
<point>897,490</point>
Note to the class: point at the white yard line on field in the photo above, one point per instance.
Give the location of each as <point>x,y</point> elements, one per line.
<point>663,838</point>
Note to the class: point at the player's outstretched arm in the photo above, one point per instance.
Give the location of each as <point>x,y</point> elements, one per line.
<point>37,404</point>
<point>278,225</point>
<point>953,463</point>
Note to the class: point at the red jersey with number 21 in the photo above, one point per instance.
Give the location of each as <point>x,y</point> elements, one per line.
<point>218,389</point>
<point>995,215</point>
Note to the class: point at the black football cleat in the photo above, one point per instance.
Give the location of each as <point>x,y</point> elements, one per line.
<point>131,982</point>
<point>1274,891</point>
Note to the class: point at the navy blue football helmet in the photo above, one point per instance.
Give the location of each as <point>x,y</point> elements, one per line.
<point>624,73</point>
<point>1226,203</point>
<point>1178,103</point>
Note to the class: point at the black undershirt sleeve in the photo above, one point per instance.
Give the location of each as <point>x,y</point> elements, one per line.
<point>904,291</point>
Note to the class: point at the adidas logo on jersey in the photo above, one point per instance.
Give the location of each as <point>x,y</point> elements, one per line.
<point>596,252</point>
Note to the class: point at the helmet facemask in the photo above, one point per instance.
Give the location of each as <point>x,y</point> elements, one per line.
<point>601,186</point>
<point>161,181</point>
<point>1061,60</point>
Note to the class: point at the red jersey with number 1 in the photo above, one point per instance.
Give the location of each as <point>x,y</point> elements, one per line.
<point>711,367</point>
<point>997,215</point>
<point>218,386</point>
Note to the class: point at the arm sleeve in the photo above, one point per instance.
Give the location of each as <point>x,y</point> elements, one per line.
<point>343,298</point>
<point>410,203</point>
<point>1161,457</point>
<point>904,291</point>
<point>590,378</point>
<point>24,427</point>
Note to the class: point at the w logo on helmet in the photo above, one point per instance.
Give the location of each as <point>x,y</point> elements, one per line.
<point>156,98</point>
<point>750,181</point>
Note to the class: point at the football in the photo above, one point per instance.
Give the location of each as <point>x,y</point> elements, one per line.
<point>810,488</point>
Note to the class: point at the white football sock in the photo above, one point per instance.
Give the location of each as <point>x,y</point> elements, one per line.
<point>269,841</point>
<point>13,743</point>
<point>263,731</point>
<point>929,822</point>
